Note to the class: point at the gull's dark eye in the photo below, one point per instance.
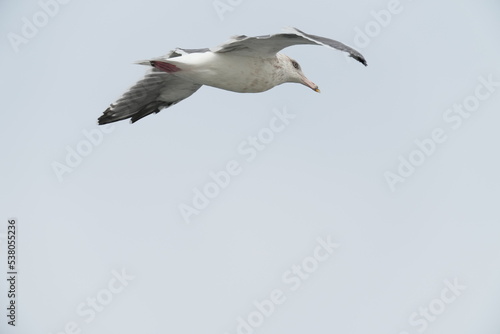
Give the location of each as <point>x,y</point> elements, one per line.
<point>295,65</point>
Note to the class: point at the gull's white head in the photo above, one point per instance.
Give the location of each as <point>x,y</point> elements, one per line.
<point>293,72</point>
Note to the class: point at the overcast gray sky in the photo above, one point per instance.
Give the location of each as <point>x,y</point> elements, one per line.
<point>369,208</point>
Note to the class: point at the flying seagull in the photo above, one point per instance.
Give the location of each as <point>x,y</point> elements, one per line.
<point>242,64</point>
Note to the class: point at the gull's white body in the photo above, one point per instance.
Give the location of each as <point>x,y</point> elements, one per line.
<point>231,72</point>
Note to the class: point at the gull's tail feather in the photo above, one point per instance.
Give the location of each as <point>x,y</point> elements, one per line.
<point>143,62</point>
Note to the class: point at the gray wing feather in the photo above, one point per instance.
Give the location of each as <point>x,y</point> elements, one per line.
<point>157,90</point>
<point>269,45</point>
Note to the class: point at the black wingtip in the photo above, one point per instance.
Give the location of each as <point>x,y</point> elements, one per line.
<point>360,58</point>
<point>105,120</point>
<point>108,117</point>
<point>102,120</point>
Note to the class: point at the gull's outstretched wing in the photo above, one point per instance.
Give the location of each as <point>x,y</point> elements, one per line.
<point>157,90</point>
<point>269,45</point>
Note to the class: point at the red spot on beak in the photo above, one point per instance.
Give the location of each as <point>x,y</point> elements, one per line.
<point>165,67</point>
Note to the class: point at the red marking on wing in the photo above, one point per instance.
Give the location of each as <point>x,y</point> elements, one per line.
<point>166,67</point>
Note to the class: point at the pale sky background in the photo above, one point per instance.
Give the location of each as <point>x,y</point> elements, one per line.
<point>323,175</point>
